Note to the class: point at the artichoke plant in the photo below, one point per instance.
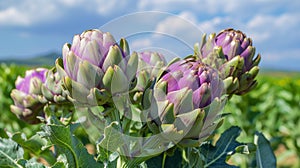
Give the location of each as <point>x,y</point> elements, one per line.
<point>231,51</point>
<point>27,95</point>
<point>91,63</point>
<point>188,102</point>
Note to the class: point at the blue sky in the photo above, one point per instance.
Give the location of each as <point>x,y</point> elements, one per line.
<point>32,27</point>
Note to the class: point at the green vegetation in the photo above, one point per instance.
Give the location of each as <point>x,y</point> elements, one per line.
<point>273,108</point>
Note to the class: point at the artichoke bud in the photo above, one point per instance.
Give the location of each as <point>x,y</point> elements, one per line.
<point>52,87</point>
<point>183,91</point>
<point>92,64</point>
<point>150,64</point>
<point>238,52</point>
<point>27,105</point>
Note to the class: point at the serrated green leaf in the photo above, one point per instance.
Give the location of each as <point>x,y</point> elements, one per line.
<point>34,145</point>
<point>225,146</point>
<point>111,141</point>
<point>66,143</point>
<point>10,152</point>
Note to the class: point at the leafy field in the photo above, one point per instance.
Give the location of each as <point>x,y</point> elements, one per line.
<point>273,108</point>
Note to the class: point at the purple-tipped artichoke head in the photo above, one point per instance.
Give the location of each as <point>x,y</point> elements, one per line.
<point>89,64</point>
<point>232,52</point>
<point>188,101</point>
<point>201,79</point>
<point>27,105</point>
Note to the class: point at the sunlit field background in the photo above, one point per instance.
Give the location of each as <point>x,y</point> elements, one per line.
<point>272,108</point>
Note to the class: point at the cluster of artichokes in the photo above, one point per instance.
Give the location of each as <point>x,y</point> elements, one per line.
<point>181,100</point>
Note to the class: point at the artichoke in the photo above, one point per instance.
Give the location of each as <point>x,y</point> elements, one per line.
<point>188,101</point>
<point>233,54</point>
<point>150,64</point>
<point>91,63</point>
<point>52,89</point>
<point>27,105</point>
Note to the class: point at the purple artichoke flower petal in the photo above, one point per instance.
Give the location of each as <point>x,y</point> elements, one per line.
<point>23,84</point>
<point>194,75</point>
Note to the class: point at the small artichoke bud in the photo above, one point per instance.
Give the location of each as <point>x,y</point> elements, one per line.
<point>27,95</point>
<point>150,65</point>
<point>52,87</point>
<point>231,51</point>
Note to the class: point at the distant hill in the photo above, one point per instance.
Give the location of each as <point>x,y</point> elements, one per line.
<point>47,59</point>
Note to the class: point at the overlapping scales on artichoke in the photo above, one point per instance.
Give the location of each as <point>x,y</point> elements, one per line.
<point>186,102</point>
<point>232,52</point>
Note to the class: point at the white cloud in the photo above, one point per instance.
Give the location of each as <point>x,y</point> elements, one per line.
<point>105,7</point>
<point>199,6</point>
<point>71,3</point>
<point>11,16</point>
<point>275,29</point>
<point>140,44</point>
<point>182,27</point>
<point>28,12</point>
<point>218,23</point>
<point>162,5</point>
